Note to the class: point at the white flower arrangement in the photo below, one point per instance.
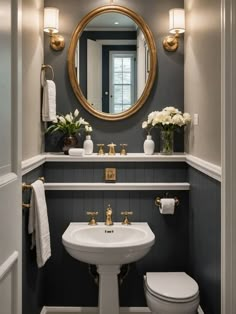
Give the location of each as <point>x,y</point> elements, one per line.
<point>169,118</point>
<point>69,124</point>
<point>88,129</point>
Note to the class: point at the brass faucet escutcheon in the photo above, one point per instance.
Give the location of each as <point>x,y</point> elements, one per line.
<point>126,218</point>
<point>108,221</point>
<point>92,221</point>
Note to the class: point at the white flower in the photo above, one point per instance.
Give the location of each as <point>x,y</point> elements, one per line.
<point>68,118</point>
<point>82,121</point>
<point>62,119</point>
<point>152,116</point>
<point>178,120</point>
<point>76,113</point>
<point>187,118</point>
<point>144,124</point>
<point>172,110</point>
<point>88,128</point>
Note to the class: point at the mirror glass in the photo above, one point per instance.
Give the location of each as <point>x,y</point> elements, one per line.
<point>110,63</point>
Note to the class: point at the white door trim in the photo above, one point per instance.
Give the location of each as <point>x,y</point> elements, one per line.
<point>228,157</point>
<point>8,264</point>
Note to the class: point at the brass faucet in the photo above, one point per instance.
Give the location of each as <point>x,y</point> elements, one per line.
<point>108,221</point>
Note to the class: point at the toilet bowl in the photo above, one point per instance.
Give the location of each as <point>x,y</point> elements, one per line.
<point>171,293</point>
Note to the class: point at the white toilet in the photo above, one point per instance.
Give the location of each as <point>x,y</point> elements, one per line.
<point>171,293</point>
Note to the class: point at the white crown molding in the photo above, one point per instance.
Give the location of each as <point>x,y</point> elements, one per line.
<point>205,167</point>
<point>32,163</point>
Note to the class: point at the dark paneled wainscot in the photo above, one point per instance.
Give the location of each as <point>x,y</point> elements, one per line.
<point>68,281</point>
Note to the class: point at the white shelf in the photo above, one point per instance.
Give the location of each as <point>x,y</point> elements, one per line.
<point>184,186</point>
<point>130,157</point>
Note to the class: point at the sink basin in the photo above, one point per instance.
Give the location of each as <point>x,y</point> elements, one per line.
<point>108,245</point>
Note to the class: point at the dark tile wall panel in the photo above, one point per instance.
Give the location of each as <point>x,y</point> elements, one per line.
<point>126,171</point>
<point>32,277</point>
<point>205,238</point>
<point>68,281</point>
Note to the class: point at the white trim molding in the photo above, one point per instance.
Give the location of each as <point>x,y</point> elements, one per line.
<point>7,179</point>
<point>92,310</point>
<point>32,163</point>
<point>228,156</point>
<point>8,264</point>
<point>183,186</point>
<point>205,167</point>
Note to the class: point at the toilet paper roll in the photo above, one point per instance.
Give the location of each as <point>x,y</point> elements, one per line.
<point>167,206</point>
<point>76,151</point>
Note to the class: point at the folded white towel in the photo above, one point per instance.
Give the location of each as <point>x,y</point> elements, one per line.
<point>76,152</point>
<point>49,101</point>
<point>38,223</point>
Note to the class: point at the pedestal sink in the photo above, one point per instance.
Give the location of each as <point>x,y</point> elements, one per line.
<point>108,247</point>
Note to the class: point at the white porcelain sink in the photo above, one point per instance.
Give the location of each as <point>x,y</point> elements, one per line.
<point>108,245</point>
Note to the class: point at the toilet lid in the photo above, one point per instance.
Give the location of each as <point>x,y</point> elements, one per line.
<point>173,285</point>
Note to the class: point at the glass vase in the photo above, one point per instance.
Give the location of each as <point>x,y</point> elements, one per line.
<point>166,142</point>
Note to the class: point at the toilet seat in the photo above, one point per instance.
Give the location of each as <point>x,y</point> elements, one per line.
<point>175,287</point>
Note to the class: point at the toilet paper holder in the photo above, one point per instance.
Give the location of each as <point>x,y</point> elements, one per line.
<point>158,200</point>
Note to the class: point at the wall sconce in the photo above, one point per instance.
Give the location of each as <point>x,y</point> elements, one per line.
<point>51,26</point>
<point>176,27</point>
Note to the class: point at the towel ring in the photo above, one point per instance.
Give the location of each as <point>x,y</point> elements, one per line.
<point>43,73</point>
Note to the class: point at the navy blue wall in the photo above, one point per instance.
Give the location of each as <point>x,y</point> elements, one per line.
<point>168,87</point>
<point>32,278</point>
<point>205,238</point>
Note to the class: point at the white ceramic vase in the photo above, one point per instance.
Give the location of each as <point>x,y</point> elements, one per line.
<point>88,145</point>
<point>148,145</point>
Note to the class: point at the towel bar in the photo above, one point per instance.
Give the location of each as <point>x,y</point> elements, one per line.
<point>43,70</point>
<point>28,187</point>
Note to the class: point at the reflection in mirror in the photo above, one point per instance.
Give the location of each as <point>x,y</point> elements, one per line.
<point>112,52</point>
<point>112,62</point>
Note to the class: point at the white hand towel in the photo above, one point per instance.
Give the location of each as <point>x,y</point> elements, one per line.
<point>49,101</point>
<point>38,223</point>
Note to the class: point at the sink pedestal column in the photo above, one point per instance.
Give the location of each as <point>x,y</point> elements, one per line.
<point>108,302</point>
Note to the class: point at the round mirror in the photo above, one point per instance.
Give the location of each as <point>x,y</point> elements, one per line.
<point>112,62</point>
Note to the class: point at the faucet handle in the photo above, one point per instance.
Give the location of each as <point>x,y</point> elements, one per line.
<point>92,220</point>
<point>126,219</point>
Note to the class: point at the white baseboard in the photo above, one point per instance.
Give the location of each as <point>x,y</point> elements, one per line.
<point>92,310</point>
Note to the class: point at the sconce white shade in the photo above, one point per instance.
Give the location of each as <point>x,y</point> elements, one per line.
<point>176,21</point>
<point>51,20</point>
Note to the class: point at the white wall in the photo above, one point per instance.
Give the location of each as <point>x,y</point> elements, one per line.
<point>203,77</point>
<point>32,61</point>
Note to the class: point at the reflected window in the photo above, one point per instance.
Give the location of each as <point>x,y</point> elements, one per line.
<point>123,81</point>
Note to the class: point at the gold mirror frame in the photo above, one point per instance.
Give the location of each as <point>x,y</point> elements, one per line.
<point>153,61</point>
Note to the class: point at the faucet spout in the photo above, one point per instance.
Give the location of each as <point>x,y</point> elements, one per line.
<point>108,221</point>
